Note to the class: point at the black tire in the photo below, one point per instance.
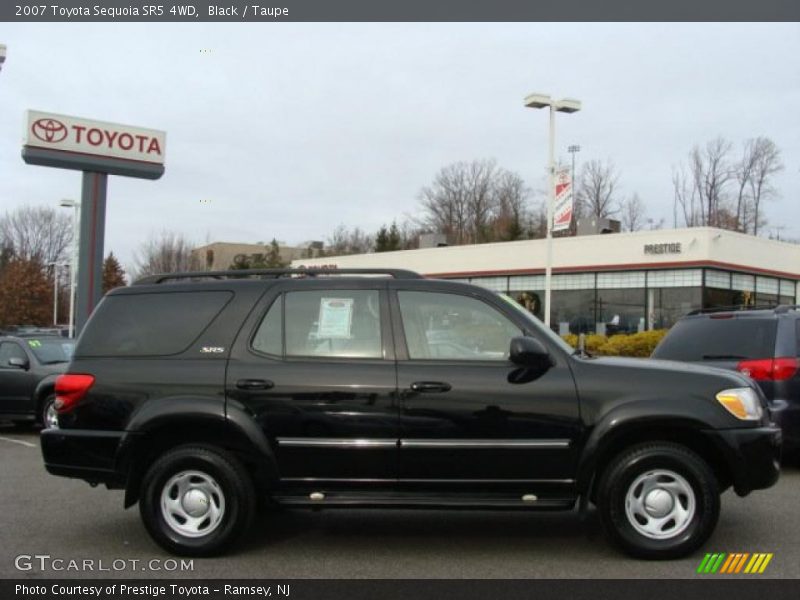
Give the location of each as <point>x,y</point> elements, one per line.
<point>44,408</point>
<point>658,464</point>
<point>233,492</point>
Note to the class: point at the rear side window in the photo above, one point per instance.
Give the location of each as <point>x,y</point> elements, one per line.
<point>719,339</point>
<point>150,324</point>
<point>323,324</point>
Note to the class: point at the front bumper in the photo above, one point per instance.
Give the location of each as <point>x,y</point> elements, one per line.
<point>752,455</point>
<point>786,414</point>
<point>84,454</point>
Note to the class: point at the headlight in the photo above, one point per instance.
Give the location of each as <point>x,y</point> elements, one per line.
<point>742,403</point>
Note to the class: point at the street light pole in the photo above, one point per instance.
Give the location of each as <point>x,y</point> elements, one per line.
<point>73,269</point>
<point>55,266</point>
<point>566,105</point>
<point>572,150</point>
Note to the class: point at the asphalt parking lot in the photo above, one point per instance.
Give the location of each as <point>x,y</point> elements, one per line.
<point>67,519</point>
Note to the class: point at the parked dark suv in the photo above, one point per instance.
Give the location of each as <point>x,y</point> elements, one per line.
<point>764,344</point>
<point>29,365</point>
<point>203,394</point>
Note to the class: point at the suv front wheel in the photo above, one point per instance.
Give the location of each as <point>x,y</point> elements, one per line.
<point>658,500</point>
<point>196,500</point>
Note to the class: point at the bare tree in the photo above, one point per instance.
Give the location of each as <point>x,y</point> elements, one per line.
<point>685,197</point>
<point>459,200</point>
<point>634,213</point>
<point>743,172</point>
<point>711,171</point>
<point>475,202</point>
<point>597,189</point>
<point>37,233</point>
<point>167,252</point>
<point>511,196</point>
<point>345,241</point>
<point>766,164</point>
<point>702,190</point>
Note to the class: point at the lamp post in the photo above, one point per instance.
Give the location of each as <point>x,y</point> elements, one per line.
<point>73,271</point>
<point>572,150</point>
<point>566,105</point>
<point>55,266</point>
<point>2,55</point>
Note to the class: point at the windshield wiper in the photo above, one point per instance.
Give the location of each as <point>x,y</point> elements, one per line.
<point>722,356</point>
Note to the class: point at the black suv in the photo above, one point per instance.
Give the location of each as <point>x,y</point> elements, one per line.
<point>761,343</point>
<point>204,394</point>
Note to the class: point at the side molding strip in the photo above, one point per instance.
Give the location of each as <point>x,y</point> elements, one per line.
<point>422,443</point>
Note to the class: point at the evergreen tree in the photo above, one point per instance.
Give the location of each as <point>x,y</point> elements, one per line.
<point>113,273</point>
<point>274,259</point>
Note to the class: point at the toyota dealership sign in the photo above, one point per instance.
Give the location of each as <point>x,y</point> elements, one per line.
<point>98,149</point>
<point>96,138</point>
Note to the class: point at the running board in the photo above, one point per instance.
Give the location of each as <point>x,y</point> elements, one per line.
<point>323,499</point>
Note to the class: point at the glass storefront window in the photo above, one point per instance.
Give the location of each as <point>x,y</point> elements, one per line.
<point>717,298</point>
<point>667,305</point>
<point>763,299</point>
<point>621,310</point>
<point>572,311</point>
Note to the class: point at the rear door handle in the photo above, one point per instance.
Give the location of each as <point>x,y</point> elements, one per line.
<point>254,384</point>
<point>430,387</point>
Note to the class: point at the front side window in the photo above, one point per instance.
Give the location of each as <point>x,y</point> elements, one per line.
<point>440,326</point>
<point>9,350</point>
<point>325,323</point>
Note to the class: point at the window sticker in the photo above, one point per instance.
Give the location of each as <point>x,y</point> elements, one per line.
<point>335,318</point>
<point>34,343</point>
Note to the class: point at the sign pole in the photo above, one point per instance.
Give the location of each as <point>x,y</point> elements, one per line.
<point>91,243</point>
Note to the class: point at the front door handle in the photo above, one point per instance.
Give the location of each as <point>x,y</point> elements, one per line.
<point>254,384</point>
<point>430,387</point>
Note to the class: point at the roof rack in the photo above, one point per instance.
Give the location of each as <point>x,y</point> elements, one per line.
<point>274,274</point>
<point>735,308</point>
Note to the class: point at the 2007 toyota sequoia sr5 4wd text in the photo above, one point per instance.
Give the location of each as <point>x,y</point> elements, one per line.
<point>202,394</point>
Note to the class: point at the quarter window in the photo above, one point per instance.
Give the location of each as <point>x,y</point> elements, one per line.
<point>453,327</point>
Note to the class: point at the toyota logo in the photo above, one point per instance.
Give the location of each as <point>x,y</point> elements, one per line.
<point>49,130</point>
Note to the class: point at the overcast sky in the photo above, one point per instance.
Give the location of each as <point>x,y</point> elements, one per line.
<point>286,130</point>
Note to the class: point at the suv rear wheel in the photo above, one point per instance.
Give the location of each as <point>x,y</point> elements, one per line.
<point>196,500</point>
<point>658,500</point>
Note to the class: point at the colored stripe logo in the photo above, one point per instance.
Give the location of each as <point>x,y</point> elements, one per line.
<point>735,563</point>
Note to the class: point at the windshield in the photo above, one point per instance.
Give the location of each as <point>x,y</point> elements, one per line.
<point>537,325</point>
<point>50,351</point>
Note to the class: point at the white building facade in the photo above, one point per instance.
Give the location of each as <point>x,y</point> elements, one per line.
<point>613,283</point>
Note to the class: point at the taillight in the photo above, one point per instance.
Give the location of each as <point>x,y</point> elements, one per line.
<point>769,369</point>
<point>70,388</point>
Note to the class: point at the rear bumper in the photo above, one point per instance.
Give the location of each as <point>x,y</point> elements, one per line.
<point>83,454</point>
<point>753,456</point>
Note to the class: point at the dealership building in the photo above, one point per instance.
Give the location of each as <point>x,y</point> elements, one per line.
<point>619,282</point>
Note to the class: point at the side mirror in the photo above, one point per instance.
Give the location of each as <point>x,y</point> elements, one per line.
<point>20,363</point>
<point>529,352</point>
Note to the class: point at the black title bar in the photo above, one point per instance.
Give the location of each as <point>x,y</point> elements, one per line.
<point>398,10</point>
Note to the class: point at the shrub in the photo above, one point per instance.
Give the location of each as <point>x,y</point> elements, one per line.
<point>639,344</point>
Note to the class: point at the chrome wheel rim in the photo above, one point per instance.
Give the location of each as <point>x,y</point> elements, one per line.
<point>660,504</point>
<point>192,503</point>
<point>50,420</point>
